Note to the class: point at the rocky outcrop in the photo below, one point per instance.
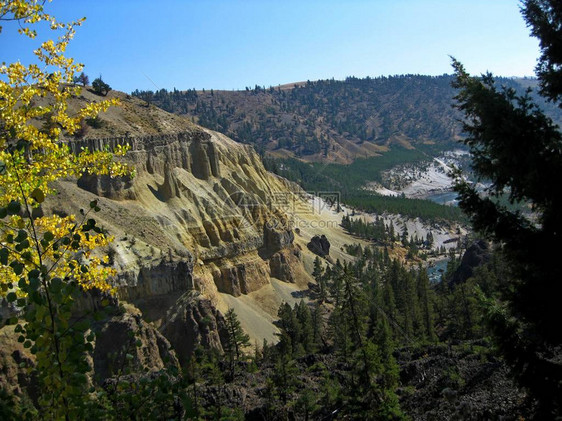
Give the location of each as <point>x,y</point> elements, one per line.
<point>476,255</point>
<point>128,334</point>
<point>276,236</point>
<point>282,264</point>
<point>196,197</point>
<point>15,364</point>
<point>319,245</point>
<point>241,278</point>
<point>204,196</point>
<point>123,340</point>
<point>194,321</point>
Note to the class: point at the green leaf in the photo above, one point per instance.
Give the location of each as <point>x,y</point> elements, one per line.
<point>56,284</point>
<point>11,297</point>
<point>48,236</point>
<point>38,195</point>
<point>34,284</point>
<point>13,207</point>
<point>22,235</point>
<point>4,253</point>
<point>93,204</point>
<point>3,212</point>
<point>17,267</point>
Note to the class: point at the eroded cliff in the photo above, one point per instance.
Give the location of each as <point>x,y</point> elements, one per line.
<point>201,214</point>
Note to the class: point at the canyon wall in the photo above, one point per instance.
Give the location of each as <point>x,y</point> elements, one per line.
<point>201,214</point>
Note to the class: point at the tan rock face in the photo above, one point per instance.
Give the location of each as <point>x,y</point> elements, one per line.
<point>197,196</point>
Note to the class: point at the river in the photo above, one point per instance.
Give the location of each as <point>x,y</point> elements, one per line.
<point>444,198</point>
<point>434,272</point>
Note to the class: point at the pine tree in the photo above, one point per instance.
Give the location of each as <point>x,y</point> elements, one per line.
<point>306,327</point>
<point>237,340</point>
<point>424,293</point>
<point>519,149</point>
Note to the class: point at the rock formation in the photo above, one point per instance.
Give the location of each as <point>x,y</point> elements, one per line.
<point>128,334</point>
<point>197,216</point>
<point>193,321</point>
<point>319,245</point>
<point>476,255</point>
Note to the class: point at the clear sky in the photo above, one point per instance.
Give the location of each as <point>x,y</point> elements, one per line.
<point>231,44</point>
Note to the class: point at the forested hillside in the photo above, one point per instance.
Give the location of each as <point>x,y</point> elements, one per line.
<point>330,120</point>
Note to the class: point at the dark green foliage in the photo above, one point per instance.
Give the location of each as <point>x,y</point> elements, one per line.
<point>349,180</point>
<point>237,340</point>
<point>100,87</point>
<point>544,17</point>
<point>82,78</point>
<point>519,149</point>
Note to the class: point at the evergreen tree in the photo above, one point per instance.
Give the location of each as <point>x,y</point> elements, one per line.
<point>100,87</point>
<point>424,293</point>
<point>306,327</point>
<point>519,149</point>
<point>237,340</point>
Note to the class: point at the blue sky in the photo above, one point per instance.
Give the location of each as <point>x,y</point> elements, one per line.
<point>230,44</point>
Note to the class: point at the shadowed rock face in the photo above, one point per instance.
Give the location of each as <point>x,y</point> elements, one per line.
<point>193,321</point>
<point>319,245</point>
<point>476,255</point>
<point>283,263</point>
<point>117,337</point>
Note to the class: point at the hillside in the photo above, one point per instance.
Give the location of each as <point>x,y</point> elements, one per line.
<point>329,120</point>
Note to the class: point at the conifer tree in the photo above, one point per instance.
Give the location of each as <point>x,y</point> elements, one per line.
<point>519,149</point>
<point>306,327</point>
<point>424,293</point>
<point>237,339</point>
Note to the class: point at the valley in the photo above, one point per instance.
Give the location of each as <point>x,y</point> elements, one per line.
<point>203,228</point>
<point>296,252</point>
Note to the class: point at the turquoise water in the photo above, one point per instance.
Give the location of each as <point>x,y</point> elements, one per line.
<point>434,272</point>
<point>444,198</point>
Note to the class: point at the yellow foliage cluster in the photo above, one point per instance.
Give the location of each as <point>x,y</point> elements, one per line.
<point>33,156</point>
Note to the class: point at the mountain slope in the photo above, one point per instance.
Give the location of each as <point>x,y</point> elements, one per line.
<point>328,120</point>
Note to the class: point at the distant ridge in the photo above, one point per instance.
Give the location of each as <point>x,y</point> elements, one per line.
<point>330,120</point>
